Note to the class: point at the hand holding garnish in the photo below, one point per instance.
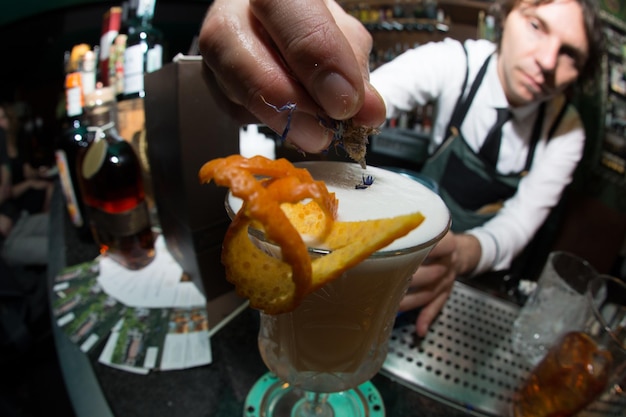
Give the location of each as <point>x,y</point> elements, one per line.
<point>345,134</point>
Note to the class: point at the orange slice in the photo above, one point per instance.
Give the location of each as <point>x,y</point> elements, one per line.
<point>286,203</point>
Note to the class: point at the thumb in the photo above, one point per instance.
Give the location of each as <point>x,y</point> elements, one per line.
<point>324,47</point>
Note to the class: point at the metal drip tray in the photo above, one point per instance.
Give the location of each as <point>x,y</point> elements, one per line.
<point>466,360</point>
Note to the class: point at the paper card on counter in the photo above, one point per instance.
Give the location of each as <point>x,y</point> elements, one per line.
<point>187,343</point>
<point>74,275</point>
<point>154,286</point>
<point>109,352</point>
<point>133,337</point>
<point>160,339</point>
<point>83,311</point>
<point>188,295</point>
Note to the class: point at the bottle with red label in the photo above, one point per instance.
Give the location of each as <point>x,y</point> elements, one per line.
<point>111,23</point>
<point>112,187</point>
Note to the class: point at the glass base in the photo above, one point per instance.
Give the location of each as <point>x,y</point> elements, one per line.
<point>271,397</point>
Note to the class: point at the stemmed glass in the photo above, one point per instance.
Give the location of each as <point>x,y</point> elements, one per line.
<point>322,355</point>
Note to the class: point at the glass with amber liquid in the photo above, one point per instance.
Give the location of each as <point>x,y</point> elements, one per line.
<point>112,188</point>
<point>584,371</point>
<point>322,355</point>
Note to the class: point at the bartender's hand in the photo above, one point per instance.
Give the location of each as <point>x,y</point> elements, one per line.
<point>432,283</point>
<point>307,52</point>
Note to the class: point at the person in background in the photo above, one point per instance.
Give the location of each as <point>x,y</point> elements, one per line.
<point>5,182</point>
<point>499,187</point>
<point>31,187</point>
<point>23,235</point>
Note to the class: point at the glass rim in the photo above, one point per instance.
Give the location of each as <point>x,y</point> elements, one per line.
<point>258,234</point>
<point>597,314</point>
<point>571,255</point>
<point>562,262</point>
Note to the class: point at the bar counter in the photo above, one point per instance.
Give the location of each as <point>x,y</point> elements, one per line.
<point>218,389</point>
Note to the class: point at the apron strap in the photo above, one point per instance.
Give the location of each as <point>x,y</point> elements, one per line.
<point>537,130</point>
<point>463,104</point>
<point>459,101</point>
<point>535,135</point>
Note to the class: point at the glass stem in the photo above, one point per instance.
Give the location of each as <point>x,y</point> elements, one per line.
<point>314,405</point>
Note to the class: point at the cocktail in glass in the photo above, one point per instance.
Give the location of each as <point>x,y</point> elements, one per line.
<point>322,354</point>
<point>582,363</point>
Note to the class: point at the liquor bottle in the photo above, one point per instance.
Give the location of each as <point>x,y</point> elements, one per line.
<point>116,54</point>
<point>144,49</point>
<point>112,188</point>
<point>111,22</point>
<point>486,26</point>
<point>87,68</point>
<point>72,141</point>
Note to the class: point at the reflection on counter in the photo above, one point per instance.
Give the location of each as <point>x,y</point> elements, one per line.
<point>150,319</point>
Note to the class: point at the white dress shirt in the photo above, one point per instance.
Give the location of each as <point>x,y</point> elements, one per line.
<point>434,72</point>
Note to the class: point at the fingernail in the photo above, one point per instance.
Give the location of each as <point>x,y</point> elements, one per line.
<point>336,95</point>
<point>372,112</point>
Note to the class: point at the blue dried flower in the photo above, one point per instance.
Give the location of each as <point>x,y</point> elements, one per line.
<point>289,107</point>
<point>367,181</point>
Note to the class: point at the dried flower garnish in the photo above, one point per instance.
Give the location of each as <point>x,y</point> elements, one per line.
<point>366,182</point>
<point>290,107</point>
<point>346,135</point>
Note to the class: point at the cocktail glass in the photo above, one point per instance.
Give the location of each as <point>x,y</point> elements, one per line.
<point>322,355</point>
<point>583,365</point>
<point>557,306</point>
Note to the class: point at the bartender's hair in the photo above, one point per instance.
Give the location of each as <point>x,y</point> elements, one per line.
<point>593,29</point>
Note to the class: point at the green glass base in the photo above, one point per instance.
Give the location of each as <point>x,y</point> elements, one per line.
<point>271,397</point>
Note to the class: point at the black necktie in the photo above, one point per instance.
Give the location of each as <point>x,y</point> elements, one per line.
<point>490,149</point>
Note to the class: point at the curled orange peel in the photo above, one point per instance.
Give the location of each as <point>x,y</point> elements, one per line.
<point>273,192</point>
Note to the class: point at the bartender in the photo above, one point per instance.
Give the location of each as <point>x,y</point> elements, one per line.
<point>505,143</point>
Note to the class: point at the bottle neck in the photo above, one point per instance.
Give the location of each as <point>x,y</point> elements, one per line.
<point>125,18</point>
<point>145,12</point>
<point>101,121</point>
<point>100,116</point>
<point>103,131</point>
<point>145,8</point>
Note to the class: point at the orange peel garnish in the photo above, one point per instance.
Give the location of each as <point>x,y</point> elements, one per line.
<point>273,192</point>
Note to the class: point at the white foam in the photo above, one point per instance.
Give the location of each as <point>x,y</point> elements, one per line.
<point>391,194</point>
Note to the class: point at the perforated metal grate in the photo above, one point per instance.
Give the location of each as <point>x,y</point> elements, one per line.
<point>466,360</point>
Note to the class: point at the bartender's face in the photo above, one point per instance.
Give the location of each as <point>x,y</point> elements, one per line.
<point>542,51</point>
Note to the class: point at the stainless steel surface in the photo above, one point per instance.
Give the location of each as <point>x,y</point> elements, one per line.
<point>466,360</point>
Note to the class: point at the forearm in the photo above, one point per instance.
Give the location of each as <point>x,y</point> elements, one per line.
<point>18,189</point>
<point>30,172</point>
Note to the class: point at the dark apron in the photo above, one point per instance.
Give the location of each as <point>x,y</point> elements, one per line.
<point>473,189</point>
